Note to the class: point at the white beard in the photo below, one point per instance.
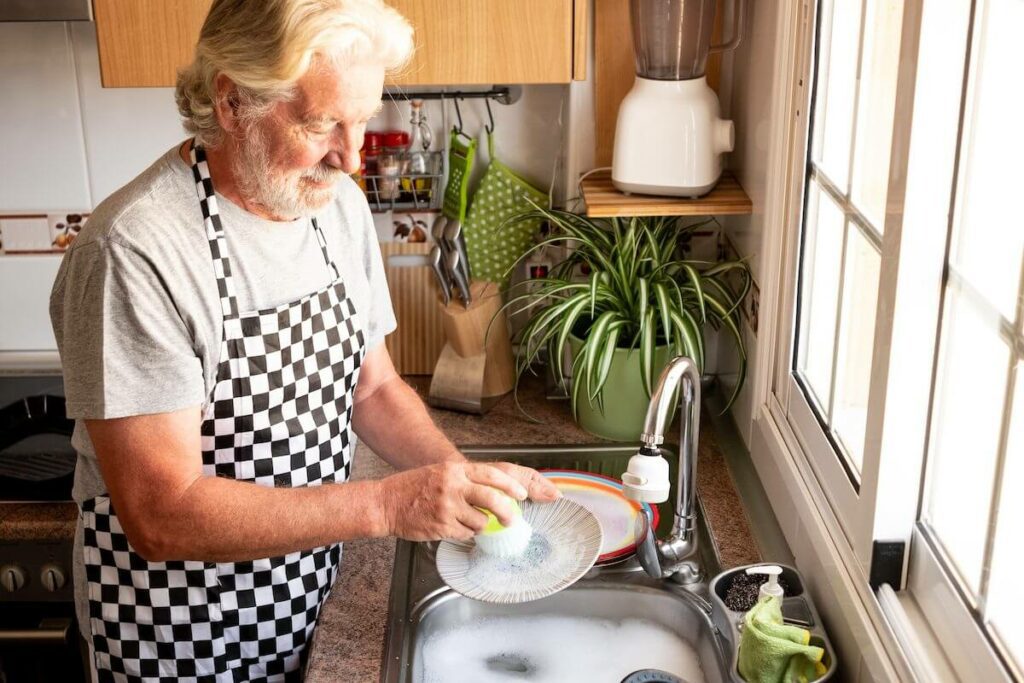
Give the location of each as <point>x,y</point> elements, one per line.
<point>284,194</point>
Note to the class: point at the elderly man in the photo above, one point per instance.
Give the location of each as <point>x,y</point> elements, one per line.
<point>220,322</point>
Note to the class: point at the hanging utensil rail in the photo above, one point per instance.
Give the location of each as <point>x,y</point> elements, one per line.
<point>502,94</point>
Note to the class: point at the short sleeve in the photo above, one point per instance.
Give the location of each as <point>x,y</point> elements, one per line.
<point>381,322</point>
<point>124,347</point>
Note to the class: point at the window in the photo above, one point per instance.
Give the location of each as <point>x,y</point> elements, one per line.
<point>975,474</point>
<point>899,376</point>
<point>847,183</point>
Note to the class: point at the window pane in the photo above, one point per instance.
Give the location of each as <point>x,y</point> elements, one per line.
<point>856,343</point>
<point>1006,590</point>
<point>990,243</point>
<point>820,292</point>
<point>966,419</point>
<point>837,83</point>
<point>877,101</point>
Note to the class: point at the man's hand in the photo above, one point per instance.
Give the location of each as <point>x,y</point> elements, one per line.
<point>538,487</point>
<point>440,501</point>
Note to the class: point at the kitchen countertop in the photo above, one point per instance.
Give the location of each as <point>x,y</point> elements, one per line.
<point>37,521</point>
<point>350,636</point>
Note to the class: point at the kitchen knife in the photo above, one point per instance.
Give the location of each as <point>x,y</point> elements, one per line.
<point>441,273</point>
<point>453,233</point>
<point>461,283</point>
<point>437,231</point>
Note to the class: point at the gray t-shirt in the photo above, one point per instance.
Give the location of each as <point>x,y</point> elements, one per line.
<point>136,310</point>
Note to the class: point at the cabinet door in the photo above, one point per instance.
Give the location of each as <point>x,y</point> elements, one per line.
<point>145,42</point>
<point>489,41</point>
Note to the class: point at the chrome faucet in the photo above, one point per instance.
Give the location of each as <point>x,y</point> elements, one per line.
<point>646,478</point>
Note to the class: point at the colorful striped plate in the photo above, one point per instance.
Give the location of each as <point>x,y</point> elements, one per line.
<point>603,496</point>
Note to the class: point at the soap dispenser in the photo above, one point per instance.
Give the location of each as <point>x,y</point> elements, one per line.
<point>771,588</point>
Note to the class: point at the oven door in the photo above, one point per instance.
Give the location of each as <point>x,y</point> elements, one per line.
<point>40,643</point>
<point>37,460</point>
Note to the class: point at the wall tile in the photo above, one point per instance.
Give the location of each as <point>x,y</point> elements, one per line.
<point>42,153</point>
<point>126,129</point>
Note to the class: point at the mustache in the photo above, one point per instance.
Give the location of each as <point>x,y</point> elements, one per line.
<point>323,173</point>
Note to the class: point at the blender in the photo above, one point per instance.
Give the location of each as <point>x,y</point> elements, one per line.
<point>669,136</point>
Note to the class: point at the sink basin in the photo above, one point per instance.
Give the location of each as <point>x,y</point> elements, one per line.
<point>616,618</point>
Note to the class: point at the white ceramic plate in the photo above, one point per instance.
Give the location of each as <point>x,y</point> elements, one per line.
<point>565,544</point>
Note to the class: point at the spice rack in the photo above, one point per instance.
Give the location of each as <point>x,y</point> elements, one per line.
<point>406,191</point>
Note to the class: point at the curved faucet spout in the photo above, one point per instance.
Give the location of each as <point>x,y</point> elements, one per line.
<point>673,556</point>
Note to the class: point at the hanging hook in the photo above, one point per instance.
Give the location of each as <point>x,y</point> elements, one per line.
<point>490,128</point>
<point>458,114</point>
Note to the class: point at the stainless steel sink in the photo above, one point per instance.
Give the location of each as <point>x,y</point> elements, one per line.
<point>421,605</point>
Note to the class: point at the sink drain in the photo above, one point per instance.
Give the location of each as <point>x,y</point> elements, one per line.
<point>510,664</point>
<point>652,676</point>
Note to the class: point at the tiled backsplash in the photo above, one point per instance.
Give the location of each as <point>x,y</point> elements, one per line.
<point>66,142</point>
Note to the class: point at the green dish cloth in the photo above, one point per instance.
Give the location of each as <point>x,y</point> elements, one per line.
<point>774,652</point>
<point>492,246</point>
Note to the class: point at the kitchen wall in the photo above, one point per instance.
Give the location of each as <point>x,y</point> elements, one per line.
<point>66,143</point>
<point>748,77</point>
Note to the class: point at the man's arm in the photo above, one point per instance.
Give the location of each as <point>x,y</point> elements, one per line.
<point>170,510</point>
<point>393,421</point>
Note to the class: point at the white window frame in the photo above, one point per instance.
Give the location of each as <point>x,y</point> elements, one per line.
<point>825,517</point>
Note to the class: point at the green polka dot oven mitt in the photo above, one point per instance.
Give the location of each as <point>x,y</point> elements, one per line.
<point>492,246</point>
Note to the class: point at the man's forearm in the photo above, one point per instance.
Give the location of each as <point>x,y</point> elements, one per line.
<point>224,520</point>
<point>395,424</point>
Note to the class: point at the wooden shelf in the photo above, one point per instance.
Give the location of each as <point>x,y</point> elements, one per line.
<point>604,201</point>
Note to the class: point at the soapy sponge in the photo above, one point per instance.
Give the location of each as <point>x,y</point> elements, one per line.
<point>505,541</point>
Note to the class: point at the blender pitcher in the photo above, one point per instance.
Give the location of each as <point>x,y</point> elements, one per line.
<point>672,102</point>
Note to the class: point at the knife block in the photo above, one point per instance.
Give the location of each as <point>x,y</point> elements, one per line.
<point>474,369</point>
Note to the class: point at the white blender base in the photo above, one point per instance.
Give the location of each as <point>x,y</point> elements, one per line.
<point>669,139</point>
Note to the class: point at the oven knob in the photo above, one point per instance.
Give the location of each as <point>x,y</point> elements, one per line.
<point>53,577</point>
<point>12,577</point>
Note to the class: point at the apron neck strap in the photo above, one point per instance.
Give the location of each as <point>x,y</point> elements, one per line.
<point>215,233</point>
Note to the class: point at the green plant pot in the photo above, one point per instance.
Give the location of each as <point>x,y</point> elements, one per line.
<point>625,403</point>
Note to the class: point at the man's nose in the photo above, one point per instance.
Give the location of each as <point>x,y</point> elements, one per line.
<point>344,153</point>
<point>345,159</point>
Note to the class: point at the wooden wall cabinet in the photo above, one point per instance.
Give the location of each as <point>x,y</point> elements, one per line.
<point>144,42</point>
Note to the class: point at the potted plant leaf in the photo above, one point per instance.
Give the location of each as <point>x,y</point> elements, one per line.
<point>625,301</point>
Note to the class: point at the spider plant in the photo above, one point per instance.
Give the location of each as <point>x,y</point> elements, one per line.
<point>625,284</point>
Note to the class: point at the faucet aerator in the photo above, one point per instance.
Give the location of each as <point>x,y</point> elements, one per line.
<point>646,477</point>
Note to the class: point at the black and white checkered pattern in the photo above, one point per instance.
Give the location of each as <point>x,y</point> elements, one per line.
<point>280,415</point>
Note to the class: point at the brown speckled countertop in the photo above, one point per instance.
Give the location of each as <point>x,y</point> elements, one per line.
<point>37,521</point>
<point>350,636</point>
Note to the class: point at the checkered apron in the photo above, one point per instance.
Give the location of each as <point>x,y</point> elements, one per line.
<point>279,415</point>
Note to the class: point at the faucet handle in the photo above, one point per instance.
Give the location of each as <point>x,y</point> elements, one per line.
<point>647,544</point>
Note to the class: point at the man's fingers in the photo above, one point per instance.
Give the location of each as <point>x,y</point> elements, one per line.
<point>473,519</point>
<point>497,477</point>
<point>491,499</point>
<point>538,486</point>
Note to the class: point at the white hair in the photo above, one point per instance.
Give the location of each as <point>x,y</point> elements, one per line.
<point>265,46</point>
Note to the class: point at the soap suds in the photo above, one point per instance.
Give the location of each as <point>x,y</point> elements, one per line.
<point>547,649</point>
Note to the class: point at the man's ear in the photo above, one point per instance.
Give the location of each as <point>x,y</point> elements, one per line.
<point>226,103</point>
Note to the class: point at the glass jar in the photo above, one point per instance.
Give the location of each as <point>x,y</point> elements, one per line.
<point>389,170</point>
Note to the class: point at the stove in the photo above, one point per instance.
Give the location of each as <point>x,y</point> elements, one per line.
<point>39,638</point>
